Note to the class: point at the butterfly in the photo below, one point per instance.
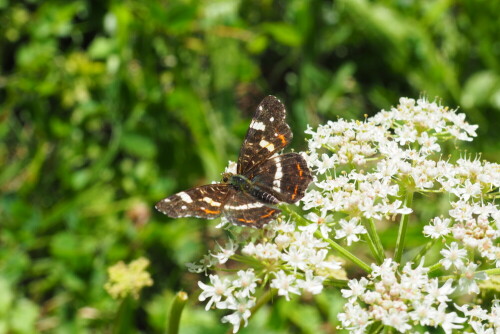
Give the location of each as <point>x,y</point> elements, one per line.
<point>263,179</point>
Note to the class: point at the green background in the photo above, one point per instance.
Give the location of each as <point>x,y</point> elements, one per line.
<point>108,106</point>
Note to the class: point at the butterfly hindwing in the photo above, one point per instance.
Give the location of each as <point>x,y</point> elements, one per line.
<point>268,133</point>
<point>243,209</point>
<point>286,176</point>
<point>202,202</point>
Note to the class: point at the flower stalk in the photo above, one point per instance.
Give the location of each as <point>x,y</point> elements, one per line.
<point>403,226</point>
<point>373,240</point>
<point>178,304</point>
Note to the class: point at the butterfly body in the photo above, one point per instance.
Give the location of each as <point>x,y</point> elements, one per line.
<point>262,180</point>
<point>241,183</point>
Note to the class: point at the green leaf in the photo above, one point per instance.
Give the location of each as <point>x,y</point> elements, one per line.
<point>138,145</point>
<point>480,89</point>
<point>284,33</point>
<point>101,48</point>
<point>6,297</point>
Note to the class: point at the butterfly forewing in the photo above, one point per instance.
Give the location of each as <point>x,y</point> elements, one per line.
<point>286,176</point>
<point>243,209</point>
<point>202,202</point>
<point>268,133</point>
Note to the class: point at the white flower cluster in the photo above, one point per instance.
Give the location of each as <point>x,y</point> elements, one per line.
<point>292,260</point>
<point>233,295</point>
<point>472,221</point>
<point>398,300</point>
<point>361,168</point>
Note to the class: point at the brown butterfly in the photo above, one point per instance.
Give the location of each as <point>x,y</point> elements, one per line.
<point>263,179</point>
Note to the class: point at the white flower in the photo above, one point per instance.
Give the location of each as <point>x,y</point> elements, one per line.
<point>246,282</point>
<point>242,307</point>
<point>387,268</point>
<point>312,284</point>
<point>283,241</point>
<point>318,260</point>
<point>266,251</point>
<point>428,143</point>
<point>468,190</point>
<point>350,230</point>
<point>356,288</point>
<point>480,319</point>
<point>437,293</point>
<point>406,134</point>
<point>453,256</point>
<point>327,162</point>
<point>461,212</point>
<point>285,284</point>
<point>296,257</point>
<point>397,319</point>
<point>215,291</point>
<point>468,278</point>
<point>423,312</point>
<point>321,223</point>
<point>437,228</point>
<point>225,253</point>
<point>448,320</point>
<point>231,167</point>
<point>205,263</point>
<point>355,318</point>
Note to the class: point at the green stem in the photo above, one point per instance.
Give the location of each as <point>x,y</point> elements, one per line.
<point>338,283</point>
<point>123,321</point>
<point>435,267</point>
<point>494,271</point>
<point>367,238</point>
<point>442,279</point>
<point>345,253</point>
<point>376,328</point>
<point>433,191</point>
<point>247,260</point>
<point>374,241</point>
<point>180,301</point>
<point>403,225</point>
<point>263,300</point>
<point>423,251</point>
<point>299,218</point>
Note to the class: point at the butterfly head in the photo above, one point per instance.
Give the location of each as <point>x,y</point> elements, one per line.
<point>238,182</point>
<point>226,177</point>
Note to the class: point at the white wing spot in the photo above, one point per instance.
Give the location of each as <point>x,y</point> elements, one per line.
<point>260,108</point>
<point>183,207</point>
<point>258,125</point>
<point>185,197</point>
<point>211,201</point>
<point>271,119</point>
<point>266,144</point>
<point>277,177</point>
<point>245,206</point>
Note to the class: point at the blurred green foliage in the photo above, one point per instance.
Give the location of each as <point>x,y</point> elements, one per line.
<point>108,106</point>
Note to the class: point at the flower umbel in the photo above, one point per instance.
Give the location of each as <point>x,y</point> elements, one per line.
<point>125,280</point>
<point>399,300</point>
